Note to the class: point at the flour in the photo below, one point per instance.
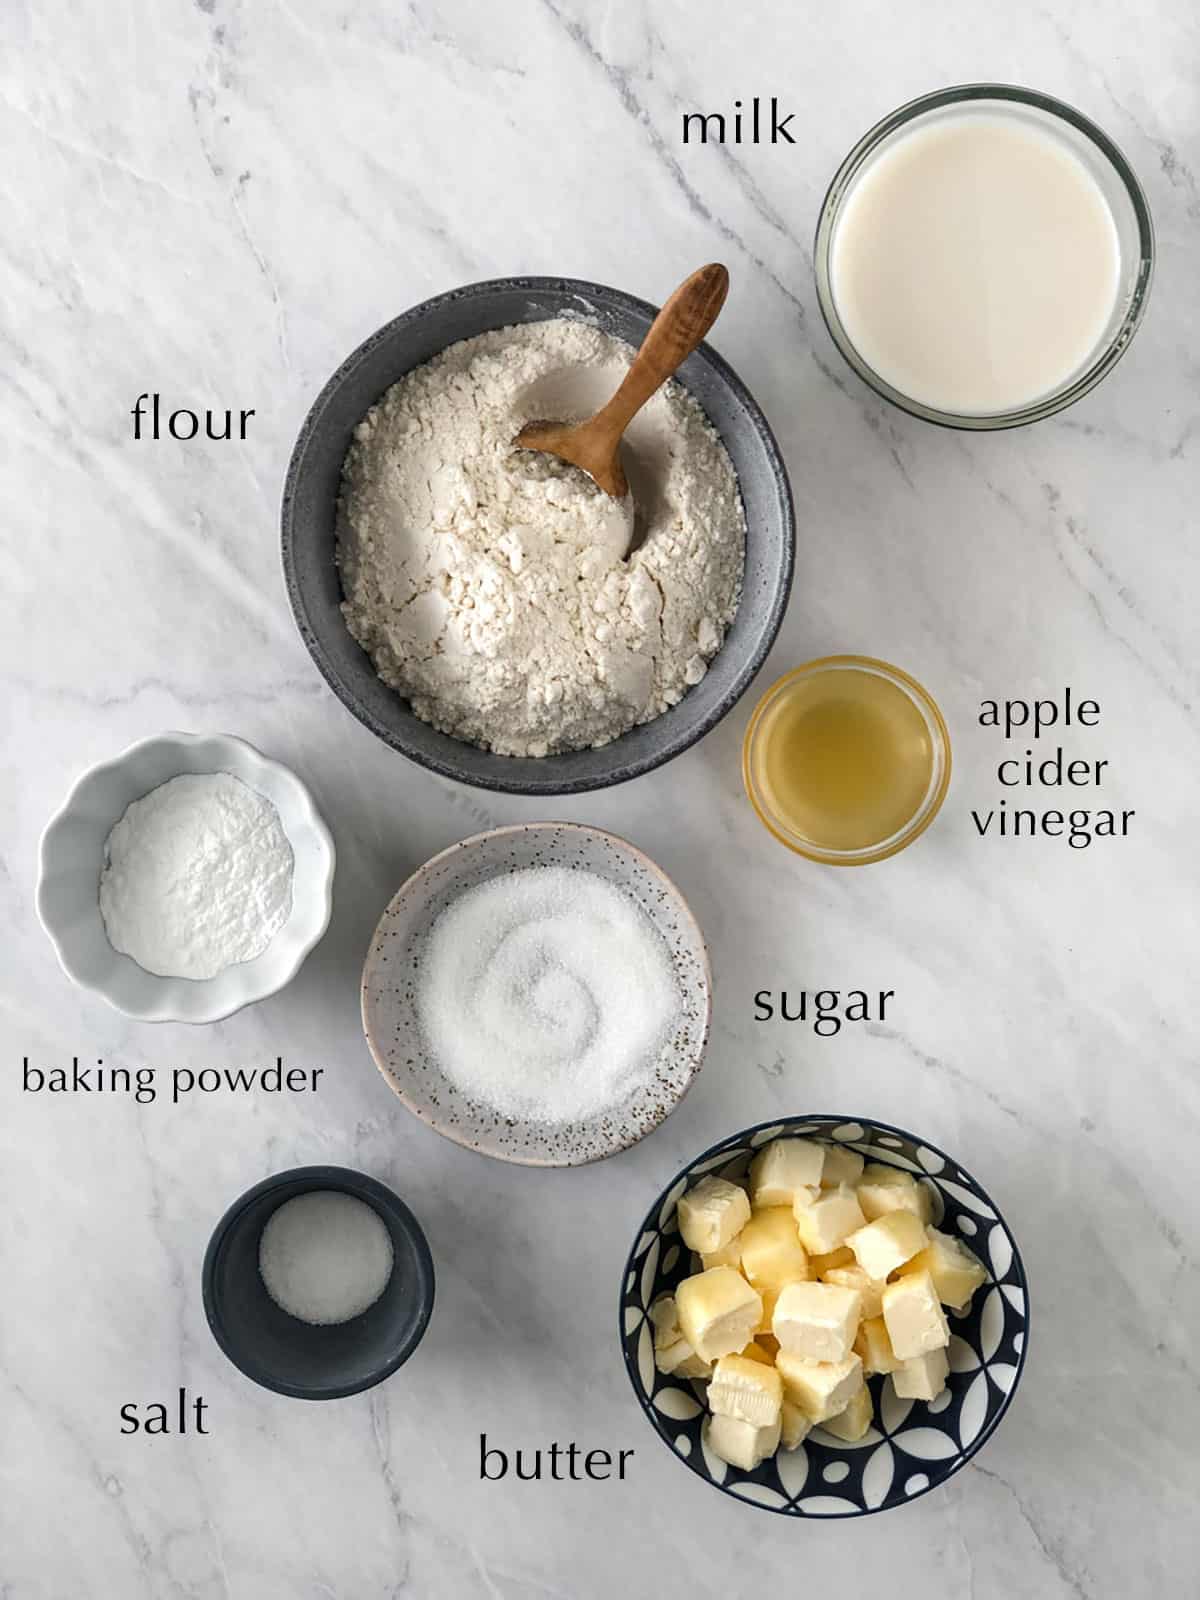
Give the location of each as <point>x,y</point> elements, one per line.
<point>197,875</point>
<point>484,581</point>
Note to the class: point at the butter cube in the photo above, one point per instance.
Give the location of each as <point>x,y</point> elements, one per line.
<point>817,1320</point>
<point>888,1242</point>
<point>872,1343</point>
<point>882,1189</point>
<point>741,1443</point>
<point>767,1320</point>
<point>914,1317</point>
<point>922,1377</point>
<point>747,1390</point>
<point>819,1388</point>
<point>819,1265</point>
<point>783,1169</point>
<point>711,1214</point>
<point>956,1271</point>
<point>870,1289</point>
<point>679,1360</point>
<point>729,1255</point>
<point>795,1426</point>
<point>756,1352</point>
<point>825,1222</point>
<point>854,1421</point>
<point>718,1312</point>
<point>673,1355</point>
<point>841,1165</point>
<point>772,1254</point>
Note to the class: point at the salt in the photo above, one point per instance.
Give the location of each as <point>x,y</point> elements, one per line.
<point>547,995</point>
<point>325,1257</point>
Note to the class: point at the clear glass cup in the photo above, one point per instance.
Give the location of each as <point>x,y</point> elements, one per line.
<point>1107,166</point>
<point>762,727</point>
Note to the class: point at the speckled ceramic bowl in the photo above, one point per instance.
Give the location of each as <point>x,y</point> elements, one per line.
<point>910,1447</point>
<point>310,505</point>
<point>389,1009</point>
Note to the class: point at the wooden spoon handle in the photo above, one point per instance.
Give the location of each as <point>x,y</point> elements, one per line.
<point>673,335</point>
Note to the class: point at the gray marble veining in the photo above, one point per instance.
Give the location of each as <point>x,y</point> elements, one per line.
<point>218,201</point>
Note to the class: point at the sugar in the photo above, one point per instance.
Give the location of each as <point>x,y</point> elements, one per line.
<point>547,994</point>
<point>325,1257</point>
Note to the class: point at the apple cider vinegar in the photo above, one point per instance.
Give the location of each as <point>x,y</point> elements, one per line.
<point>846,759</point>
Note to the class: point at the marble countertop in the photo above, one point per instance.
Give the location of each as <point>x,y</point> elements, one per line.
<point>218,201</point>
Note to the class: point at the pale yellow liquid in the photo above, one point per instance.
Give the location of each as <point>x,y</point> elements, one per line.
<point>844,759</point>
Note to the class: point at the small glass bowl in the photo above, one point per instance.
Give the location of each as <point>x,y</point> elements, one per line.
<point>1106,164</point>
<point>754,749</point>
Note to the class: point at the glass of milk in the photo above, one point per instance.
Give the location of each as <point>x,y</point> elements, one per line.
<point>983,256</point>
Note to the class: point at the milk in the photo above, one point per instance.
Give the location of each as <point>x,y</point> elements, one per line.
<point>975,264</point>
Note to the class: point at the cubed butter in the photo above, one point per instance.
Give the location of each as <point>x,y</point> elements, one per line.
<point>826,1221</point>
<point>870,1289</point>
<point>754,1351</point>
<point>819,1388</point>
<point>729,1255</point>
<point>747,1390</point>
<point>673,1355</point>
<point>956,1271</point>
<point>719,1312</point>
<point>819,1265</point>
<point>817,1320</point>
<point>852,1423</point>
<point>873,1345</point>
<point>795,1426</point>
<point>882,1189</point>
<point>887,1243</point>
<point>922,1377</point>
<point>783,1169</point>
<point>914,1317</point>
<point>712,1214</point>
<point>841,1165</point>
<point>766,1321</point>
<point>772,1254</point>
<point>679,1360</point>
<point>741,1443</point>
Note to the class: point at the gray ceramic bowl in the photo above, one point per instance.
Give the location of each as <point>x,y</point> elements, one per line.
<point>297,1358</point>
<point>310,501</point>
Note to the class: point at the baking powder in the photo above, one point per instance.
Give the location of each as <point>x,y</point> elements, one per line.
<point>197,876</point>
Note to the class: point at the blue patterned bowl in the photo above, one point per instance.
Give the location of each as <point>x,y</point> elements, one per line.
<point>911,1447</point>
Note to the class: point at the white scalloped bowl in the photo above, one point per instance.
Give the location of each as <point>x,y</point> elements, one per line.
<point>72,854</point>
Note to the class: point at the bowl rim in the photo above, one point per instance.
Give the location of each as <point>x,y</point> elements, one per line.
<point>218,1009</point>
<point>348,1181</point>
<point>1106,356</point>
<point>456,1136</point>
<point>570,289</point>
<point>833,1120</point>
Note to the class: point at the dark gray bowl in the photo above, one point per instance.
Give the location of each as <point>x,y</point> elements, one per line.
<point>293,1357</point>
<point>310,502</point>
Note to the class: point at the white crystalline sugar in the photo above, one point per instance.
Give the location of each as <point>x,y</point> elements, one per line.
<point>490,586</point>
<point>546,994</point>
<point>325,1256</point>
<point>197,875</point>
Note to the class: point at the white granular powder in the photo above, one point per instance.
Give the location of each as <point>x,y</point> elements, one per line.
<point>197,875</point>
<point>546,994</point>
<point>325,1257</point>
<point>484,581</point>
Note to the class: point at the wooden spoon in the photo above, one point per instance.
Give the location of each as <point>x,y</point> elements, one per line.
<point>673,335</point>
